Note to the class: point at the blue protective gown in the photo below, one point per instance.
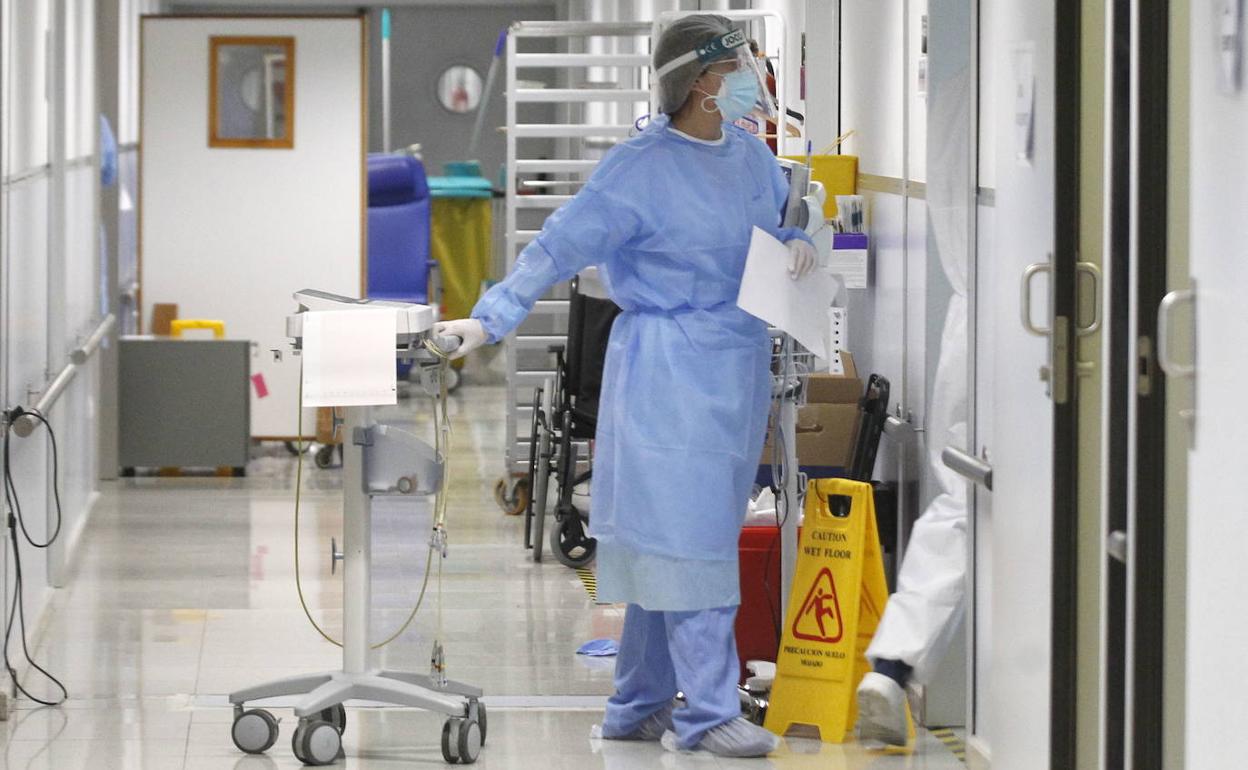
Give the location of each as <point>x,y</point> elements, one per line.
<point>686,385</point>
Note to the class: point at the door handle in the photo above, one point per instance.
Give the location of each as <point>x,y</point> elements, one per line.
<point>1116,545</point>
<point>1094,271</point>
<point>1031,272</point>
<point>1165,359</point>
<point>1056,371</point>
<point>899,430</point>
<point>967,466</point>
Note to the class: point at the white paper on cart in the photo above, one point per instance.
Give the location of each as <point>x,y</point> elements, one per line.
<point>799,308</point>
<point>348,358</point>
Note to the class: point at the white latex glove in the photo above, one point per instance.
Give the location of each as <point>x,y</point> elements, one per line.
<point>470,332</point>
<point>801,258</point>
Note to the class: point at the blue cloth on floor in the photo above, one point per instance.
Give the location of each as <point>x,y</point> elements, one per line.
<point>599,648</point>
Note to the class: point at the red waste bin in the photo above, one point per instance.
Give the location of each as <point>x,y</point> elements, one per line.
<point>758,618</point>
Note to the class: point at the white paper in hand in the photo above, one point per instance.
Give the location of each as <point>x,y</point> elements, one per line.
<point>348,358</point>
<point>799,308</point>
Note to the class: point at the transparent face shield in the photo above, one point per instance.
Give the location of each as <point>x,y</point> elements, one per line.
<point>723,55</point>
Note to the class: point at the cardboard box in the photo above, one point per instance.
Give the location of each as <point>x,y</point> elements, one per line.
<point>828,423</point>
<point>163,315</point>
<point>835,388</point>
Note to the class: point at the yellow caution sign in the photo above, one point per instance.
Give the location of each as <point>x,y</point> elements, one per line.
<point>838,596</point>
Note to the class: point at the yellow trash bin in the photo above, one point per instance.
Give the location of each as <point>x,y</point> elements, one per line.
<point>462,243</point>
<point>838,173</point>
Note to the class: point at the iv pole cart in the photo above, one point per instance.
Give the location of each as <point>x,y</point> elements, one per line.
<point>378,460</point>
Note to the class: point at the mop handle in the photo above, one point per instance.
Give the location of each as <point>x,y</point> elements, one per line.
<point>485,95</point>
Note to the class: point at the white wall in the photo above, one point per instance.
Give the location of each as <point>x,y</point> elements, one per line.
<point>1217,605</point>
<point>127,127</point>
<point>879,102</point>
<point>49,257</point>
<point>231,234</point>
<point>823,74</point>
<point>127,133</point>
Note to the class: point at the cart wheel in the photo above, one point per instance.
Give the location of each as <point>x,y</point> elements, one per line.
<point>254,731</point>
<point>572,546</point>
<point>316,742</point>
<point>520,493</point>
<point>325,456</point>
<point>500,495</point>
<point>481,719</point>
<point>292,447</point>
<point>336,716</point>
<point>450,741</point>
<point>468,741</point>
<point>513,497</point>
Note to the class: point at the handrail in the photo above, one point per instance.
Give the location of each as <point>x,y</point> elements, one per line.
<point>25,424</point>
<point>45,169</point>
<point>87,349</point>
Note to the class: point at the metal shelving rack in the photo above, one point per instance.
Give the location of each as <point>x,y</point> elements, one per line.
<point>590,116</point>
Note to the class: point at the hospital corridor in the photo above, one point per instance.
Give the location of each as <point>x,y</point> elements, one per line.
<point>623,384</point>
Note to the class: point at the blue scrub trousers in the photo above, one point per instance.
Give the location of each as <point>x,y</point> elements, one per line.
<point>663,652</point>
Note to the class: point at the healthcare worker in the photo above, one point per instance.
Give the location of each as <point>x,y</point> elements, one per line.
<point>667,216</point>
<point>922,617</point>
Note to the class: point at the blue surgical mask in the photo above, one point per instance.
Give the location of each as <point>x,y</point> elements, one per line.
<point>738,92</point>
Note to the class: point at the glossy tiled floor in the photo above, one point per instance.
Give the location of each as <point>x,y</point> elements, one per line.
<point>184,590</point>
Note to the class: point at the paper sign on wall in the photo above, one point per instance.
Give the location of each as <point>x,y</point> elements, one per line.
<point>1228,18</point>
<point>1025,102</point>
<point>851,265</point>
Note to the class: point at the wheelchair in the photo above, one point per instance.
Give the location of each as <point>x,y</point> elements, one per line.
<point>565,415</point>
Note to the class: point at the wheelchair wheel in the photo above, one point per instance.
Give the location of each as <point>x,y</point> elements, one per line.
<point>542,472</point>
<point>569,541</point>
<point>534,431</point>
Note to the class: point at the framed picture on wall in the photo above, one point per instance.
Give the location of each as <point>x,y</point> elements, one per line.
<point>251,92</point>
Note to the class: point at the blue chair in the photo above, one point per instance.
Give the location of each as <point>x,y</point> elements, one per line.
<point>398,229</point>
<point>399,209</point>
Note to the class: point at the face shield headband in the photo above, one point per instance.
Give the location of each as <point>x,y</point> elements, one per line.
<point>729,47</point>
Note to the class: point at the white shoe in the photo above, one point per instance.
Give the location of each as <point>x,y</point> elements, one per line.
<point>882,711</point>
